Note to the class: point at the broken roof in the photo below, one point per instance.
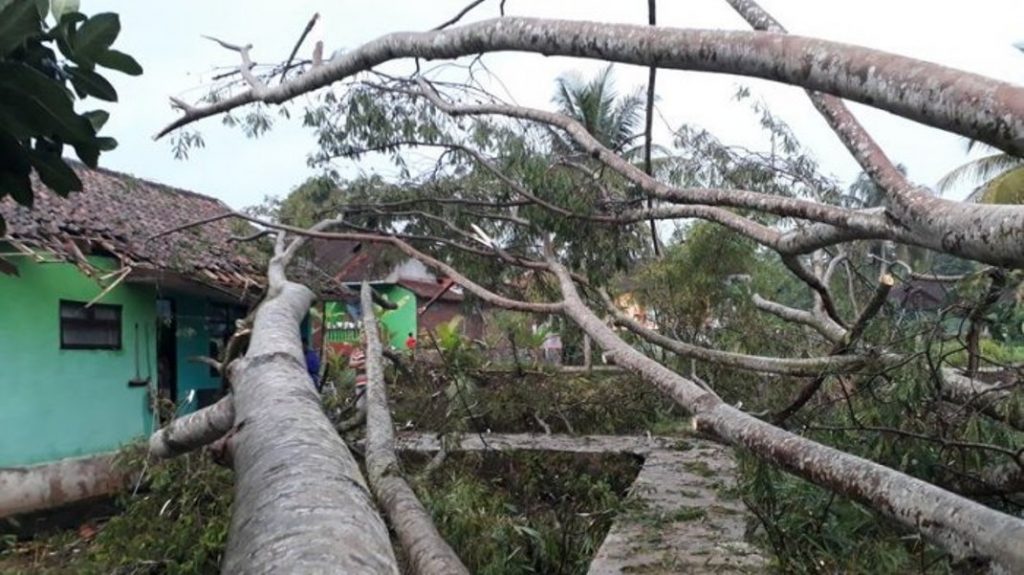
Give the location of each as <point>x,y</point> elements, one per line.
<point>116,214</point>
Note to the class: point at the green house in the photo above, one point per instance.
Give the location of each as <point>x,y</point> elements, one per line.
<point>99,325</point>
<point>421,300</point>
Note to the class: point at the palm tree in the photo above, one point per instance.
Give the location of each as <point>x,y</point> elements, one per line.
<point>614,121</point>
<point>999,177</point>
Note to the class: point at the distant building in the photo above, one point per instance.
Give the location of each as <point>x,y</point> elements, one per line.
<point>422,299</point>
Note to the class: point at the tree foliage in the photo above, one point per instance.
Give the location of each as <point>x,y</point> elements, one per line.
<point>47,64</point>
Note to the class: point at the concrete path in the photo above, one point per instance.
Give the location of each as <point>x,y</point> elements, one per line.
<point>685,520</point>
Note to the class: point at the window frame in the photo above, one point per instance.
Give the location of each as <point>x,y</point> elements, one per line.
<point>119,322</point>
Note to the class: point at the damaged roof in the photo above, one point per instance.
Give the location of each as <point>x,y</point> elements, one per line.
<point>116,214</point>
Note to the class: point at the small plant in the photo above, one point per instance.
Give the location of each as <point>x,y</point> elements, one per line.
<point>527,513</point>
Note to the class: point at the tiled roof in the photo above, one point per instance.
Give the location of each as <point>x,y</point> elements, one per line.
<point>430,290</point>
<point>116,214</point>
<point>351,261</point>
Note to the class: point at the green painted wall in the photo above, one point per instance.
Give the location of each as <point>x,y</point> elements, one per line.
<point>398,323</point>
<point>58,403</point>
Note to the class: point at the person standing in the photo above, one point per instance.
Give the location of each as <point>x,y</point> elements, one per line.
<point>357,361</point>
<point>312,362</point>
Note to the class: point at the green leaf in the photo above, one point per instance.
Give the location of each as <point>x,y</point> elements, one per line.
<point>89,83</point>
<point>96,35</point>
<point>106,144</point>
<point>119,61</point>
<point>12,118</point>
<point>14,170</point>
<point>53,172</point>
<point>19,21</point>
<point>89,152</point>
<point>43,103</point>
<point>65,30</point>
<point>19,187</point>
<point>98,118</point>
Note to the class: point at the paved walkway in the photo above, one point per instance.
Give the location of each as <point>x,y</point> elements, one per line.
<point>686,521</point>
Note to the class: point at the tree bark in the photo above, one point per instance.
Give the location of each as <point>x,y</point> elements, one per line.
<point>194,430</point>
<point>427,551</point>
<point>963,527</point>
<point>301,505</point>
<point>994,401</point>
<point>961,102</point>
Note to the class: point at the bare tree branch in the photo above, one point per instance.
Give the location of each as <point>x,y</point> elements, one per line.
<point>194,430</point>
<point>964,527</point>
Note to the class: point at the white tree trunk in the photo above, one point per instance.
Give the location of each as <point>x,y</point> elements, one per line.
<point>194,430</point>
<point>427,551</point>
<point>301,505</point>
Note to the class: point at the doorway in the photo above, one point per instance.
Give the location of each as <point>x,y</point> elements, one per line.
<point>166,350</point>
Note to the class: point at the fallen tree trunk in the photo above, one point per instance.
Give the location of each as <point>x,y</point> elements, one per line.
<point>193,431</point>
<point>427,551</point>
<point>963,527</point>
<point>301,505</point>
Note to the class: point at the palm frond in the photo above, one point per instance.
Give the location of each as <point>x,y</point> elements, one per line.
<point>979,171</point>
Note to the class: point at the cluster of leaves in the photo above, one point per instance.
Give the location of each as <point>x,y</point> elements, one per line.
<point>884,419</point>
<point>513,403</point>
<point>527,513</point>
<point>37,109</point>
<point>365,120</point>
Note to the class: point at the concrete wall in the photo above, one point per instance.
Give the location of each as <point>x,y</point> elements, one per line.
<point>58,403</point>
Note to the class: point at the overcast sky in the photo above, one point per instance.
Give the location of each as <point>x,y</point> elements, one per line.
<point>165,38</point>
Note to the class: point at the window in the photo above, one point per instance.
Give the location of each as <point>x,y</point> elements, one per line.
<point>95,327</point>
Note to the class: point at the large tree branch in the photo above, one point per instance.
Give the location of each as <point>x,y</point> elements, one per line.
<point>768,203</point>
<point>971,230</point>
<point>964,527</point>
<point>968,104</point>
<point>992,400</point>
<point>427,551</point>
<point>194,430</point>
<point>301,504</point>
<point>805,366</point>
<point>954,100</point>
<point>819,322</point>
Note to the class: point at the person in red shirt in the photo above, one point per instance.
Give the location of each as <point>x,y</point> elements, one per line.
<point>410,342</point>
